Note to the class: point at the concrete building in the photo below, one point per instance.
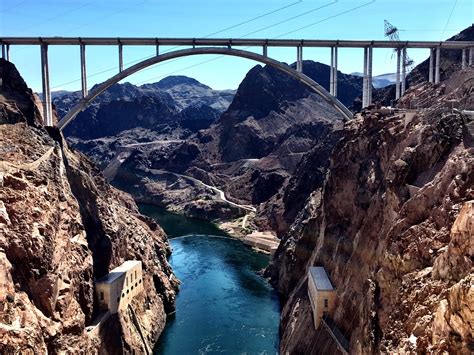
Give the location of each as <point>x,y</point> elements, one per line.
<point>321,293</point>
<point>119,286</point>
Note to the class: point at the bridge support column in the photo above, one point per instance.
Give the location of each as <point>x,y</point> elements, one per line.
<point>8,52</point>
<point>397,83</point>
<point>157,45</point>
<point>265,51</point>
<point>83,70</point>
<point>437,65</point>
<point>47,108</point>
<point>463,58</point>
<point>364,79</point>
<point>404,71</point>
<point>471,56</point>
<point>333,76</point>
<point>120,57</point>
<point>299,59</point>
<point>430,73</point>
<point>4,55</point>
<point>369,77</point>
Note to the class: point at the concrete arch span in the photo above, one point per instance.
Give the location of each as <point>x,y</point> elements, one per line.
<point>314,86</point>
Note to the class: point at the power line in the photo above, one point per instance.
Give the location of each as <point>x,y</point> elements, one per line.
<point>291,18</point>
<point>327,18</point>
<point>449,19</point>
<point>14,6</point>
<point>248,34</point>
<point>256,18</point>
<point>58,15</point>
<point>170,49</point>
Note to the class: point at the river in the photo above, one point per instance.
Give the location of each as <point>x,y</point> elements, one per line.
<point>224,305</point>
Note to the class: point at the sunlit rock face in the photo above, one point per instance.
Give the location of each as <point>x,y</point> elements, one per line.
<point>393,226</point>
<point>62,226</point>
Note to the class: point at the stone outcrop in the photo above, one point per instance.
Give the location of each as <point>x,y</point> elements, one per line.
<point>393,226</point>
<point>62,226</point>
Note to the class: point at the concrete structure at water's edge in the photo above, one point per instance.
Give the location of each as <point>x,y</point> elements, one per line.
<point>321,293</point>
<point>116,289</point>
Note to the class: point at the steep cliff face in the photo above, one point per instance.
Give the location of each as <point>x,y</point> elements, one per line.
<point>392,225</point>
<point>61,227</point>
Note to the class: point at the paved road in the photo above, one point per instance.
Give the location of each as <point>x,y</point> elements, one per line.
<point>215,189</point>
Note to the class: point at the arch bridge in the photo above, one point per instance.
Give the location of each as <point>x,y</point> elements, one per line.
<point>227,46</point>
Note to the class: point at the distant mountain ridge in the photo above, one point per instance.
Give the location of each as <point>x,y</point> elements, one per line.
<point>174,103</point>
<point>380,81</point>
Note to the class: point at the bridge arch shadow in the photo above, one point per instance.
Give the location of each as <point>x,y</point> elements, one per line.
<point>99,89</point>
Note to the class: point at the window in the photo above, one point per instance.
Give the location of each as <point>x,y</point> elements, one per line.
<point>101,296</point>
<point>126,280</point>
<point>325,303</point>
<point>135,274</point>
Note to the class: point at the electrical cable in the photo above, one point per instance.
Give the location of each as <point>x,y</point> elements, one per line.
<point>449,19</point>
<point>58,15</point>
<point>290,18</point>
<point>327,18</point>
<point>13,7</point>
<point>248,34</point>
<point>175,47</point>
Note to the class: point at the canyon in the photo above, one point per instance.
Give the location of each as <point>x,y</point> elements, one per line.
<point>61,227</point>
<point>384,202</point>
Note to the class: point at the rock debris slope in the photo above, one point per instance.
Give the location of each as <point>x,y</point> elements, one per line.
<point>61,226</point>
<point>393,226</point>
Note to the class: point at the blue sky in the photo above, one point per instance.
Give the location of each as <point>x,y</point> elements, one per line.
<point>417,20</point>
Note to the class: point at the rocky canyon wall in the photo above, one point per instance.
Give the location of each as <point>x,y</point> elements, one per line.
<point>61,227</point>
<point>392,224</point>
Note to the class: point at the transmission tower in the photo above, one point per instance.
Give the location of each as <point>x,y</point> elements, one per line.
<point>392,33</point>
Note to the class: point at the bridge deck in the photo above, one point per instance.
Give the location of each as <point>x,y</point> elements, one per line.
<point>140,41</point>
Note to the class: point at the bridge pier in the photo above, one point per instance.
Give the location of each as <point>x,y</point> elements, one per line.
<point>367,83</point>
<point>404,70</point>
<point>369,76</point>
<point>364,80</point>
<point>299,59</point>
<point>47,107</point>
<point>157,46</point>
<point>437,65</point>
<point>397,78</point>
<point>120,48</point>
<point>6,52</point>
<point>471,56</point>
<point>265,51</point>
<point>333,72</point>
<point>430,73</point>
<point>463,59</point>
<point>83,70</point>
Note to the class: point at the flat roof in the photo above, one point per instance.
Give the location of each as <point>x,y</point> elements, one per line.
<point>118,271</point>
<point>320,278</point>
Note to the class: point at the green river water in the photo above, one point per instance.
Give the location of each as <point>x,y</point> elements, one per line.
<point>224,306</point>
